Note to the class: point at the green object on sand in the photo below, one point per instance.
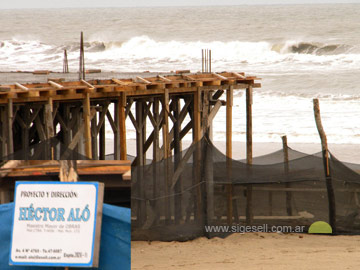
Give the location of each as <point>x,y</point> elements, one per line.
<point>320,227</point>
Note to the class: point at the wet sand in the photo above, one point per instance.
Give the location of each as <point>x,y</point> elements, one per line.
<point>250,251</point>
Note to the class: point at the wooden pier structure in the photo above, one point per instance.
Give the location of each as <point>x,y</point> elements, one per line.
<point>74,113</point>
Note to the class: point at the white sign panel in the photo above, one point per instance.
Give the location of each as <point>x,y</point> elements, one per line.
<point>55,224</point>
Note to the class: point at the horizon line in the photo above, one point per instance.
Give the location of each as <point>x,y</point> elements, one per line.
<point>174,6</point>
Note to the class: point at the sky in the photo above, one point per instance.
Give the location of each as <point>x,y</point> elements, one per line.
<point>11,4</point>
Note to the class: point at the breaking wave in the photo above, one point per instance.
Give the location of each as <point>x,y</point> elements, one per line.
<point>145,53</point>
<point>313,48</point>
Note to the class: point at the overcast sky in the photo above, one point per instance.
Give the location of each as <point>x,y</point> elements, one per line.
<point>9,4</point>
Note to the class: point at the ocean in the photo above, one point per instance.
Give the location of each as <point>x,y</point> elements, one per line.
<point>301,52</point>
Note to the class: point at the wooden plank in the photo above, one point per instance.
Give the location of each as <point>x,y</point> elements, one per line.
<point>325,154</point>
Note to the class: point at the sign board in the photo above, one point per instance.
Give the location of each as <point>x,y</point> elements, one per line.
<point>57,224</point>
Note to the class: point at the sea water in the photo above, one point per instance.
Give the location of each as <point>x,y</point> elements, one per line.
<point>301,52</point>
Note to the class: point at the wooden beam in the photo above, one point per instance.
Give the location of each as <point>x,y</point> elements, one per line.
<point>119,82</point>
<point>142,80</point>
<point>88,84</point>
<point>56,85</point>
<point>20,86</point>
<point>164,79</point>
<point>237,75</point>
<point>220,76</point>
<point>328,178</point>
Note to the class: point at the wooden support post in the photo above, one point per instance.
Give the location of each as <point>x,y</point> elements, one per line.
<point>10,120</point>
<point>156,152</point>
<point>143,124</point>
<point>229,187</point>
<point>286,171</point>
<point>87,127</point>
<point>25,133</point>
<point>122,125</point>
<point>177,153</point>
<point>249,209</point>
<point>116,129</point>
<point>94,138</point>
<point>325,153</point>
<point>3,131</point>
<point>141,218</point>
<point>49,128</point>
<point>197,135</point>
<point>67,128</point>
<point>167,154</point>
<point>102,141</point>
<point>68,171</point>
<point>208,190</point>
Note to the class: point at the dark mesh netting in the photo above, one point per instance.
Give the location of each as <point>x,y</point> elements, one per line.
<point>179,197</point>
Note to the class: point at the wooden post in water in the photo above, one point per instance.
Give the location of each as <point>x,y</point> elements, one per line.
<point>325,154</point>
<point>286,171</point>
<point>65,63</point>
<point>229,187</point>
<point>249,209</point>
<point>82,59</point>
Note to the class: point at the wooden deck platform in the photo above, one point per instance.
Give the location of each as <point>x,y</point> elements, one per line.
<point>175,84</point>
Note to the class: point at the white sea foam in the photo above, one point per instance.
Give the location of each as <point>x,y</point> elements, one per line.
<point>146,53</point>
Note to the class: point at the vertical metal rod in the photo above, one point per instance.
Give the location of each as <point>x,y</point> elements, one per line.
<point>202,60</point>
<point>210,61</point>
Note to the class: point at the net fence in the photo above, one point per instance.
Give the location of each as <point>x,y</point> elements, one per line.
<point>181,197</point>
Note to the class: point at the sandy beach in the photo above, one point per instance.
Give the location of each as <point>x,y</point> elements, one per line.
<point>250,251</point>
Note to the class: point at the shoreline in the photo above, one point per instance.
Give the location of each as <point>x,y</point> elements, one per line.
<point>344,152</point>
